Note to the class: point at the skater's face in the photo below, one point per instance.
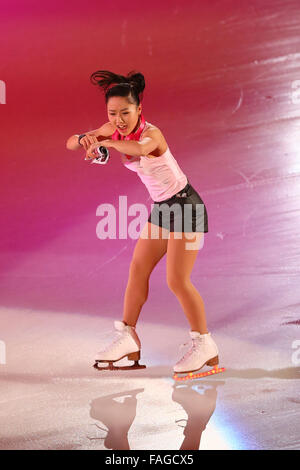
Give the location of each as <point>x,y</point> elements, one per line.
<point>122,113</point>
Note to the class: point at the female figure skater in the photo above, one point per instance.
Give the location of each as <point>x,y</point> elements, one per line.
<point>144,150</point>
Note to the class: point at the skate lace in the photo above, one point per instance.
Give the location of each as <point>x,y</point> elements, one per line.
<point>119,339</point>
<point>193,347</point>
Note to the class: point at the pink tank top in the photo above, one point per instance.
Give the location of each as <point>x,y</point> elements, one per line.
<point>162,175</point>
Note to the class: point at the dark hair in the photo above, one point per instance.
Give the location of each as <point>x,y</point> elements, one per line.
<point>131,86</point>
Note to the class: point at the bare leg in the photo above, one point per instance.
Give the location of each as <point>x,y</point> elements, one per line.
<point>147,252</point>
<point>180,262</point>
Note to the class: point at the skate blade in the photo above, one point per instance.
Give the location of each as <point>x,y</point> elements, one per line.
<point>191,375</point>
<point>110,366</point>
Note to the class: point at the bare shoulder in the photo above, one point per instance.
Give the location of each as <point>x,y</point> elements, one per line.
<point>156,133</point>
<point>152,130</point>
<point>106,130</point>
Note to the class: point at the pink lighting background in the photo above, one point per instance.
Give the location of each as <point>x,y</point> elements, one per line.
<point>220,84</point>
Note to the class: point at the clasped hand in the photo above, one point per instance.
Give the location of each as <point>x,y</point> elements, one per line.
<point>90,153</point>
<point>90,142</point>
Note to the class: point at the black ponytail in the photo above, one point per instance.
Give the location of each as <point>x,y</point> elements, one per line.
<point>130,86</point>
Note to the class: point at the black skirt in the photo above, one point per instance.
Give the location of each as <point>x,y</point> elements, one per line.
<point>183,212</point>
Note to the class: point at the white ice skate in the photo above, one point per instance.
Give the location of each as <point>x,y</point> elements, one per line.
<point>203,351</point>
<point>126,344</point>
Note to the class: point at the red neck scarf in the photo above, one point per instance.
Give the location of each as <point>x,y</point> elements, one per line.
<point>134,135</point>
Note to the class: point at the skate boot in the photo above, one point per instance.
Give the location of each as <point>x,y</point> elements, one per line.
<point>127,344</point>
<point>203,351</point>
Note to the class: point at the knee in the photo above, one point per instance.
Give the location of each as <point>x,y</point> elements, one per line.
<point>137,270</point>
<point>177,283</point>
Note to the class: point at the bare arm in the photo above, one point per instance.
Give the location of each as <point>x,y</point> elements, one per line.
<point>131,147</point>
<point>97,135</point>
